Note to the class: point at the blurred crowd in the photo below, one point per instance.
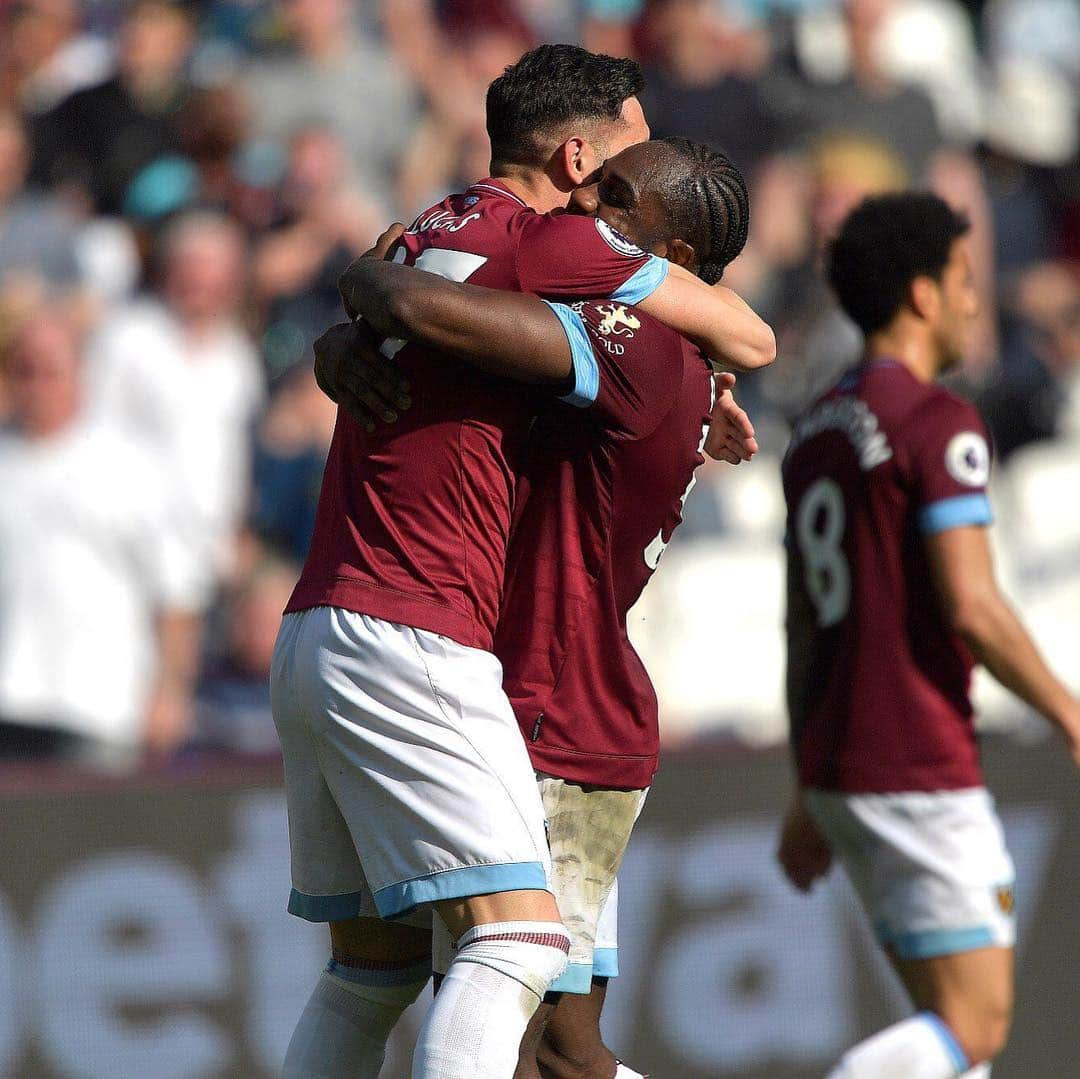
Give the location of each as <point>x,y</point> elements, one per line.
<point>182,183</point>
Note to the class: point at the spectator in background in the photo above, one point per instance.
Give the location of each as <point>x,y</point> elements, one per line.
<point>868,100</point>
<point>1036,394</point>
<point>233,700</point>
<point>99,138</point>
<point>215,165</point>
<point>324,222</point>
<point>291,445</point>
<point>815,340</point>
<point>44,58</point>
<point>37,255</point>
<point>707,82</point>
<point>339,80</point>
<point>177,370</point>
<point>878,99</point>
<point>98,603</point>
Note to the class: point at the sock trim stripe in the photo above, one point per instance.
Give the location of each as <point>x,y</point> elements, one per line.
<point>411,975</point>
<point>356,962</point>
<point>948,1038</point>
<point>549,940</point>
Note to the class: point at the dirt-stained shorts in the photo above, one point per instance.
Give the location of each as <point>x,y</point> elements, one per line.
<point>588,831</point>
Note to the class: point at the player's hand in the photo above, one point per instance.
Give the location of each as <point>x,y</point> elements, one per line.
<point>352,372</point>
<point>731,434</point>
<point>380,251</point>
<point>386,241</point>
<point>804,853</point>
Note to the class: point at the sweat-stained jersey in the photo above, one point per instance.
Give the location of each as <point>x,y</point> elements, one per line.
<point>413,520</point>
<point>600,498</point>
<point>881,461</point>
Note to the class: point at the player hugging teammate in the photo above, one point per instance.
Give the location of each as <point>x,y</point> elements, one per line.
<point>536,477</point>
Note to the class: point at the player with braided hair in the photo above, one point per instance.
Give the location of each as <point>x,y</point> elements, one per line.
<point>714,207</point>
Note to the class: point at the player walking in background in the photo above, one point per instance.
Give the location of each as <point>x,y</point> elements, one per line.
<point>599,501</point>
<point>408,783</point>
<point>891,597</point>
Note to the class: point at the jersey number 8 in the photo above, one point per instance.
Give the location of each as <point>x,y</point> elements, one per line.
<point>819,529</point>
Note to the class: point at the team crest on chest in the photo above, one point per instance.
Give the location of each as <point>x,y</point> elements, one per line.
<point>617,321</point>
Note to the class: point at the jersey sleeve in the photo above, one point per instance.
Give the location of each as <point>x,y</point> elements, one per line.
<point>950,463</point>
<point>622,365</point>
<point>570,256</point>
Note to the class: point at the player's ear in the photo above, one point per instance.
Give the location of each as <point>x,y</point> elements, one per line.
<point>682,254</point>
<point>924,296</point>
<point>577,161</point>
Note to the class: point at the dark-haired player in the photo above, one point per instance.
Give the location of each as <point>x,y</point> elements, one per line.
<point>891,597</point>
<point>408,783</point>
<point>598,502</point>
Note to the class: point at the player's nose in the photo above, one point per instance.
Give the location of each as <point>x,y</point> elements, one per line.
<point>584,199</point>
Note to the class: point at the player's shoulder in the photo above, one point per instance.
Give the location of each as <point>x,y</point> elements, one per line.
<point>563,227</point>
<point>939,412</point>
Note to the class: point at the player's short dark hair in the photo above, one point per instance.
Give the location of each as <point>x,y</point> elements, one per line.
<point>533,102</point>
<point>709,205</point>
<point>883,245</point>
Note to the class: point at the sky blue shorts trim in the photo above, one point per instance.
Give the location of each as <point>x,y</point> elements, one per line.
<point>948,1038</point>
<point>931,942</point>
<point>397,899</point>
<point>605,962</point>
<point>577,978</point>
<point>325,908</point>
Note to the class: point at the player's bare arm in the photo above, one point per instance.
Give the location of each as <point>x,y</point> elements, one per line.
<point>505,333</point>
<point>802,851</point>
<point>718,321</point>
<point>964,575</point>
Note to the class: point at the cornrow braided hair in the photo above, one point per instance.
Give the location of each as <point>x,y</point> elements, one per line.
<point>713,206</point>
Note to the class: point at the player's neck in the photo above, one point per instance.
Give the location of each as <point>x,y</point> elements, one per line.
<point>915,351</point>
<point>533,186</point>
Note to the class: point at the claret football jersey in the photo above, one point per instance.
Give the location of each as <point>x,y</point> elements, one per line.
<point>880,462</point>
<point>601,495</point>
<point>413,520</point>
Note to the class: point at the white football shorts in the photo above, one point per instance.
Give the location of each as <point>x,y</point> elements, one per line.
<point>930,868</point>
<point>588,832</point>
<point>406,775</point>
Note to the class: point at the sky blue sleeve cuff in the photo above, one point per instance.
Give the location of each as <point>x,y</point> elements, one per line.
<point>586,370</point>
<point>955,513</point>
<point>643,283</point>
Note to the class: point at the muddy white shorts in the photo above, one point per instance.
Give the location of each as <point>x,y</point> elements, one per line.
<point>931,868</point>
<point>588,832</point>
<point>406,775</point>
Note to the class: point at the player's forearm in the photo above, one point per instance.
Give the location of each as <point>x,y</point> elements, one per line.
<point>1002,645</point>
<point>722,324</point>
<point>384,295</point>
<point>504,333</point>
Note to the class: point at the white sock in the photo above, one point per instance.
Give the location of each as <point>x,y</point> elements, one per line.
<point>623,1072</point>
<point>980,1071</point>
<point>921,1047</point>
<point>350,1014</point>
<point>496,981</point>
